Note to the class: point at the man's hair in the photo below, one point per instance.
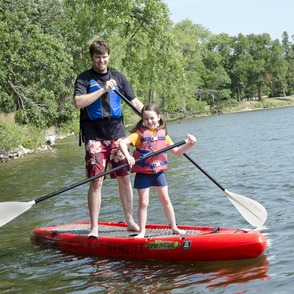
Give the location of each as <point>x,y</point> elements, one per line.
<point>99,47</point>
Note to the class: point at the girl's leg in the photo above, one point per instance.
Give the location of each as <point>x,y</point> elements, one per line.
<point>162,192</point>
<point>142,211</point>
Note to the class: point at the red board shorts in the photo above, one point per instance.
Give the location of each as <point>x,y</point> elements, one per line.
<point>101,153</point>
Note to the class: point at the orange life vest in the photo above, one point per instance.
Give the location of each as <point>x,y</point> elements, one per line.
<point>150,142</point>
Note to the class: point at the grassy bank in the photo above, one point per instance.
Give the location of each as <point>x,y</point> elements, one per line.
<point>14,137</point>
<point>17,140</point>
<point>264,104</point>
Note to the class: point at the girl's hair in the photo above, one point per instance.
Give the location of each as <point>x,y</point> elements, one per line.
<point>151,107</point>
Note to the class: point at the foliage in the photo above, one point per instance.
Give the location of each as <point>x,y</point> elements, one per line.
<point>34,63</point>
<point>181,67</point>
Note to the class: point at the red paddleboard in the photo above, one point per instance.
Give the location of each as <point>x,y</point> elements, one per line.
<point>198,244</point>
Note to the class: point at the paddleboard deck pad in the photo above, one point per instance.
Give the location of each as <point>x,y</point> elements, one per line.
<point>198,244</point>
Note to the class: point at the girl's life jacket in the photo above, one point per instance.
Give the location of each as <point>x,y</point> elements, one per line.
<point>150,142</point>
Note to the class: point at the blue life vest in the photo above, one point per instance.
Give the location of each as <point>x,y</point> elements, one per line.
<point>107,106</point>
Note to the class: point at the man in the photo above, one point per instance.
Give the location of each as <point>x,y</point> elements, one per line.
<point>102,129</point>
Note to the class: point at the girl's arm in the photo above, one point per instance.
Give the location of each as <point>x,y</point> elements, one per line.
<point>123,146</point>
<point>183,149</point>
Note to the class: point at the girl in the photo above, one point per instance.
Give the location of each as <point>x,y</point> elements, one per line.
<point>150,134</point>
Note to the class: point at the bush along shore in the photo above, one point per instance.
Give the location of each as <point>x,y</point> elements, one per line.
<point>20,151</point>
<point>17,141</point>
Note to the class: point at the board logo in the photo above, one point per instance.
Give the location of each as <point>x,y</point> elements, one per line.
<point>186,245</point>
<point>158,244</point>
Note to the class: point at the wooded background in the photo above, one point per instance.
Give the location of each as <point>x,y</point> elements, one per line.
<point>182,67</point>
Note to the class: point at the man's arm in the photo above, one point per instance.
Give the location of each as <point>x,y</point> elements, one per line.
<point>85,100</point>
<point>138,104</point>
<point>82,101</point>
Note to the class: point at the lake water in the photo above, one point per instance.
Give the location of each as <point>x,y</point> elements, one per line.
<point>247,153</point>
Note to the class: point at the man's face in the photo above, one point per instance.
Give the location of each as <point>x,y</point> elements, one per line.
<point>100,62</point>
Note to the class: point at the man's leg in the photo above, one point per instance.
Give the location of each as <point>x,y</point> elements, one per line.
<point>94,203</point>
<point>95,164</point>
<point>126,197</point>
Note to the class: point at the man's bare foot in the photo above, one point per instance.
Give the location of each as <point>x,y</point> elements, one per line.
<point>133,227</point>
<point>140,235</point>
<point>179,232</point>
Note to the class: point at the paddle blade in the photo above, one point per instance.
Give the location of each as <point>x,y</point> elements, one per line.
<point>11,210</point>
<point>251,210</point>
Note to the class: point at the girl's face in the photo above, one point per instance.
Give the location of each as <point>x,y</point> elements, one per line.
<point>151,119</point>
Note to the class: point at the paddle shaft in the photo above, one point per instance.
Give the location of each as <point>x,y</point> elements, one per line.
<point>42,198</point>
<point>127,101</point>
<point>201,169</point>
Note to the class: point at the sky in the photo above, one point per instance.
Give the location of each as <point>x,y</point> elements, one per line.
<point>235,16</point>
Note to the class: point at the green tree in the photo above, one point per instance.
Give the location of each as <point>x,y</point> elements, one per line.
<point>278,69</point>
<point>192,39</point>
<point>216,79</point>
<point>141,43</point>
<point>239,65</point>
<point>259,73</point>
<point>34,63</point>
<point>289,58</point>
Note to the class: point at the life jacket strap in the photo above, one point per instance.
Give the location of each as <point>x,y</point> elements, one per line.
<point>152,139</point>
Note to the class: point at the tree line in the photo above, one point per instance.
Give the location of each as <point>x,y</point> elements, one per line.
<point>181,67</point>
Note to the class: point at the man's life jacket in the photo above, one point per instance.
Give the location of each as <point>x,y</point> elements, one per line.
<point>149,143</point>
<point>107,106</point>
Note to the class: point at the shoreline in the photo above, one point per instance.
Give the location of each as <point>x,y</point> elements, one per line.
<point>247,106</point>
<point>20,152</point>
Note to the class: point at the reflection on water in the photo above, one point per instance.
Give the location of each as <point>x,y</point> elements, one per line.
<point>110,274</point>
<point>166,276</point>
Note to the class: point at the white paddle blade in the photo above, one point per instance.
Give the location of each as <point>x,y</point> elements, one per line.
<point>11,210</point>
<point>251,210</point>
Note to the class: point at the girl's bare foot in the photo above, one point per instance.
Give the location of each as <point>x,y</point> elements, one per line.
<point>140,235</point>
<point>179,232</point>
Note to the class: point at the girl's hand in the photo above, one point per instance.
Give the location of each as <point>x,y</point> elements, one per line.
<point>192,139</point>
<point>131,160</point>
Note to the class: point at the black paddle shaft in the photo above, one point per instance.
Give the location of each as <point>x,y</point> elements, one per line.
<point>201,169</point>
<point>107,172</point>
<point>128,102</point>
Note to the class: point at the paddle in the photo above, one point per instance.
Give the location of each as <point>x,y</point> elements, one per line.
<point>251,210</point>
<point>11,210</point>
<point>254,213</point>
